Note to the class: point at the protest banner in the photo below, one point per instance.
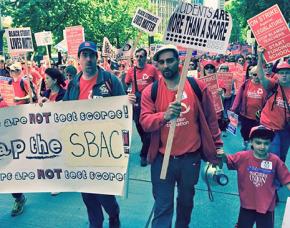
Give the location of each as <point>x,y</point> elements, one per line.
<point>43,38</point>
<point>7,90</point>
<point>80,146</point>
<point>234,120</point>
<point>212,84</point>
<point>19,40</point>
<point>286,219</point>
<point>74,36</point>
<point>146,21</point>
<point>272,33</point>
<point>227,79</point>
<point>199,27</point>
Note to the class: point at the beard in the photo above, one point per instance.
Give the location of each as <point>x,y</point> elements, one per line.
<point>169,74</point>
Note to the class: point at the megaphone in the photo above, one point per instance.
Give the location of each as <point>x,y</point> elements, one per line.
<point>214,175</point>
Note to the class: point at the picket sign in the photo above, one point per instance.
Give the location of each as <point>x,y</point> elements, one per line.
<point>135,44</point>
<point>173,122</point>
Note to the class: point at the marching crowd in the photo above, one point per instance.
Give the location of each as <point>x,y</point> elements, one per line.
<point>259,94</point>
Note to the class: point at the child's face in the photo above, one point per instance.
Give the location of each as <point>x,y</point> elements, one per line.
<point>260,146</point>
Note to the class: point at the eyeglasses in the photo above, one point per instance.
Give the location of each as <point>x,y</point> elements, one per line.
<point>139,56</point>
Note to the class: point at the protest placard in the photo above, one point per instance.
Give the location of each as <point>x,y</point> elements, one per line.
<point>19,40</point>
<point>43,38</point>
<point>107,48</point>
<point>80,146</point>
<point>199,27</point>
<point>7,90</point>
<point>233,125</point>
<point>272,33</point>
<point>74,36</point>
<point>227,79</point>
<point>146,21</point>
<point>61,46</point>
<point>239,78</point>
<point>212,83</point>
<point>286,219</point>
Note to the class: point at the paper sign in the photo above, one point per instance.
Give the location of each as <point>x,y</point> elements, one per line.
<point>19,40</point>
<point>146,21</point>
<point>199,27</point>
<point>212,84</point>
<point>7,90</point>
<point>43,38</point>
<point>74,37</point>
<point>227,79</point>
<point>272,33</point>
<point>107,47</point>
<point>233,125</point>
<point>61,46</point>
<point>125,52</point>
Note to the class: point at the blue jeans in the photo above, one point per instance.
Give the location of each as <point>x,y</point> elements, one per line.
<point>185,172</point>
<point>94,203</point>
<point>280,144</point>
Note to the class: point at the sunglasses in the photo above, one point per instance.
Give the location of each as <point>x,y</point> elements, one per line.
<point>209,67</point>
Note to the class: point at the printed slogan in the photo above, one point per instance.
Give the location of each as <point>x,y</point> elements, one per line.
<point>84,148</point>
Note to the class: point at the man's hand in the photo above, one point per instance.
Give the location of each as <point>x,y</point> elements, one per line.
<point>260,52</point>
<point>132,98</point>
<point>173,111</point>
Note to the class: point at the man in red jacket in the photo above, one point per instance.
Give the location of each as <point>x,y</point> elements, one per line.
<point>196,128</point>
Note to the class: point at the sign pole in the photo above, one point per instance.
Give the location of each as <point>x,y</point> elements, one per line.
<point>135,45</point>
<point>47,53</point>
<point>173,122</point>
<point>28,75</point>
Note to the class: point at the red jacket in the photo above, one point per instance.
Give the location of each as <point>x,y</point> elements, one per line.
<point>152,121</point>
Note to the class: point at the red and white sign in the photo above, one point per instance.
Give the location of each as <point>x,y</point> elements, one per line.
<point>272,33</point>
<point>227,79</point>
<point>212,84</point>
<point>7,90</point>
<point>74,36</point>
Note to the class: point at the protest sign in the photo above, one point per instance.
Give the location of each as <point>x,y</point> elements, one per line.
<point>43,38</point>
<point>126,51</point>
<point>192,73</point>
<point>7,90</point>
<point>146,21</point>
<point>199,27</point>
<point>80,146</point>
<point>239,78</point>
<point>286,219</point>
<point>61,46</point>
<point>227,79</point>
<point>74,36</point>
<point>212,84</point>
<point>19,40</point>
<point>233,125</point>
<point>107,46</point>
<point>272,33</point>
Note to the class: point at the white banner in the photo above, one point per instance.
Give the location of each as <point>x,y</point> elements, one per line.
<point>43,38</point>
<point>199,27</point>
<point>76,146</point>
<point>146,21</point>
<point>19,40</point>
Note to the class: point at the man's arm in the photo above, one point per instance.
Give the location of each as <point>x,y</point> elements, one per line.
<point>264,80</point>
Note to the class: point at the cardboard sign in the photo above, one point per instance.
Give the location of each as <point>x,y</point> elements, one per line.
<point>233,125</point>
<point>227,79</point>
<point>7,90</point>
<point>43,38</point>
<point>107,47</point>
<point>199,27</point>
<point>212,84</point>
<point>19,40</point>
<point>286,219</point>
<point>80,146</point>
<point>272,33</point>
<point>61,46</point>
<point>146,21</point>
<point>239,78</point>
<point>125,52</point>
<point>74,37</point>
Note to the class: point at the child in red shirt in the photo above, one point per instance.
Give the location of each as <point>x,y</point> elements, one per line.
<point>257,170</point>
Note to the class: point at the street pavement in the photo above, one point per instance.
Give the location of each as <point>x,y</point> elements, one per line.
<point>67,210</point>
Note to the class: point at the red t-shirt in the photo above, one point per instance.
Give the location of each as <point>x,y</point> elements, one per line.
<point>256,179</point>
<point>186,136</point>
<point>86,87</point>
<point>144,77</point>
<point>18,91</point>
<point>275,119</point>
<point>254,96</point>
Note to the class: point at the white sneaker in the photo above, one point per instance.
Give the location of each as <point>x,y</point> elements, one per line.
<point>54,193</point>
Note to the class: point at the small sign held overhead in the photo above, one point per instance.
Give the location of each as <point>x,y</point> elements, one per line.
<point>43,38</point>
<point>19,40</point>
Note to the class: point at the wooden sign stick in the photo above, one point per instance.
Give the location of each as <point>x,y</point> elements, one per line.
<point>49,65</point>
<point>28,75</point>
<point>173,122</point>
<point>135,45</point>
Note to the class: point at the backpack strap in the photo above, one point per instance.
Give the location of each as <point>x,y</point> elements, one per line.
<point>192,83</point>
<point>108,82</point>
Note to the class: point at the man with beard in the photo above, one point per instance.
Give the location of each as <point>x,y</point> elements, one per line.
<point>95,82</point>
<point>196,128</point>
<point>140,76</point>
